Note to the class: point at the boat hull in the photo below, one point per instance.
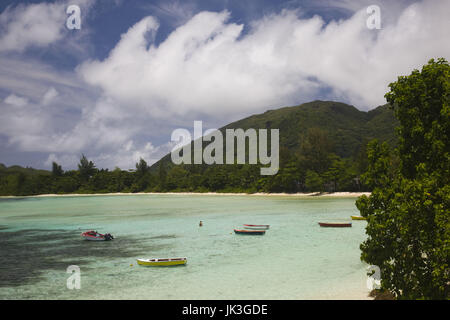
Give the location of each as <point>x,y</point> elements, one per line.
<point>250,232</point>
<point>358,218</point>
<point>95,236</point>
<point>162,262</point>
<point>335,225</point>
<point>89,238</point>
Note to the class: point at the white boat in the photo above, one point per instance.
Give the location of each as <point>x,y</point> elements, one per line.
<point>256,226</point>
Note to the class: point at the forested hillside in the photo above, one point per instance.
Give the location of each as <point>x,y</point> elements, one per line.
<point>322,148</point>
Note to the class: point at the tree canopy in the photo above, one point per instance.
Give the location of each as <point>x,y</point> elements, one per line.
<point>408,211</point>
<point>86,167</point>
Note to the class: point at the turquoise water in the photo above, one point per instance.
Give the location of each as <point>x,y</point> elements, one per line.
<point>295,259</point>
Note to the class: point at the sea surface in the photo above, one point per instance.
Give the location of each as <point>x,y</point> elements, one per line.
<point>295,259</point>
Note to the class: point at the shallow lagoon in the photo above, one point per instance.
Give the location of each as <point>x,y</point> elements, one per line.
<point>295,259</point>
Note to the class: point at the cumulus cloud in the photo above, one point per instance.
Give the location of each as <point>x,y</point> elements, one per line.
<point>35,24</point>
<point>62,118</point>
<point>208,66</point>
<point>39,127</point>
<point>51,104</point>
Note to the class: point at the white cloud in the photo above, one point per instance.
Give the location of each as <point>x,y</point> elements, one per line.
<point>64,120</point>
<point>128,154</point>
<point>39,25</point>
<point>34,24</point>
<point>14,100</point>
<point>125,156</point>
<point>49,96</point>
<point>207,66</point>
<point>65,160</point>
<point>51,106</point>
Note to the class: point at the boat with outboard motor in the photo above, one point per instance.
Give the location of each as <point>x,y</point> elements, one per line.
<point>95,236</point>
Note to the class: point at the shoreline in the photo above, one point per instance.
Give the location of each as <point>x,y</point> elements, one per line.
<point>300,195</point>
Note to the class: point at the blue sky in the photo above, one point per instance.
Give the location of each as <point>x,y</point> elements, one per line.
<point>136,70</point>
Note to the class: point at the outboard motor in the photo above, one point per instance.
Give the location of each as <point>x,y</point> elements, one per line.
<point>108,236</point>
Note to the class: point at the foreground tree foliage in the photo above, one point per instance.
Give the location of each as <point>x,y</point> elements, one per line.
<point>408,211</point>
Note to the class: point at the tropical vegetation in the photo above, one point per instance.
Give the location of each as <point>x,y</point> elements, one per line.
<point>408,211</point>
<point>322,148</point>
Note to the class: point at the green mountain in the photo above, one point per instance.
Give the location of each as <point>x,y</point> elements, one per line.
<point>347,128</point>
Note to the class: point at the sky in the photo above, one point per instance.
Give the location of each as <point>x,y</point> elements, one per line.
<point>115,88</point>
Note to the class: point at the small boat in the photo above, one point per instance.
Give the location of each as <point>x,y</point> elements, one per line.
<point>95,236</point>
<point>335,224</point>
<point>256,226</point>
<point>162,262</point>
<point>249,232</point>
<point>358,218</point>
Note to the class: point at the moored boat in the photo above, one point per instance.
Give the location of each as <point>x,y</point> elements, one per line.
<point>256,226</point>
<point>335,224</point>
<point>358,218</point>
<point>249,232</point>
<point>162,262</point>
<point>95,236</point>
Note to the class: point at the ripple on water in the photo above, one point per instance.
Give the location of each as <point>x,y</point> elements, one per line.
<point>28,254</point>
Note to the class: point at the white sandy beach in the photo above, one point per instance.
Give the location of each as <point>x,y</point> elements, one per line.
<point>312,194</point>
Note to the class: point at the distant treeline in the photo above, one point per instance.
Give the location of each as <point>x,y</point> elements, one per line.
<point>311,169</point>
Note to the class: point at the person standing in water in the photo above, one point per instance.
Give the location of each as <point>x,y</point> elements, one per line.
<point>200,224</point>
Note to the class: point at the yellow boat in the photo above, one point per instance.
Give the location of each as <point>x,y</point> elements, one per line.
<point>358,218</point>
<point>162,262</point>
